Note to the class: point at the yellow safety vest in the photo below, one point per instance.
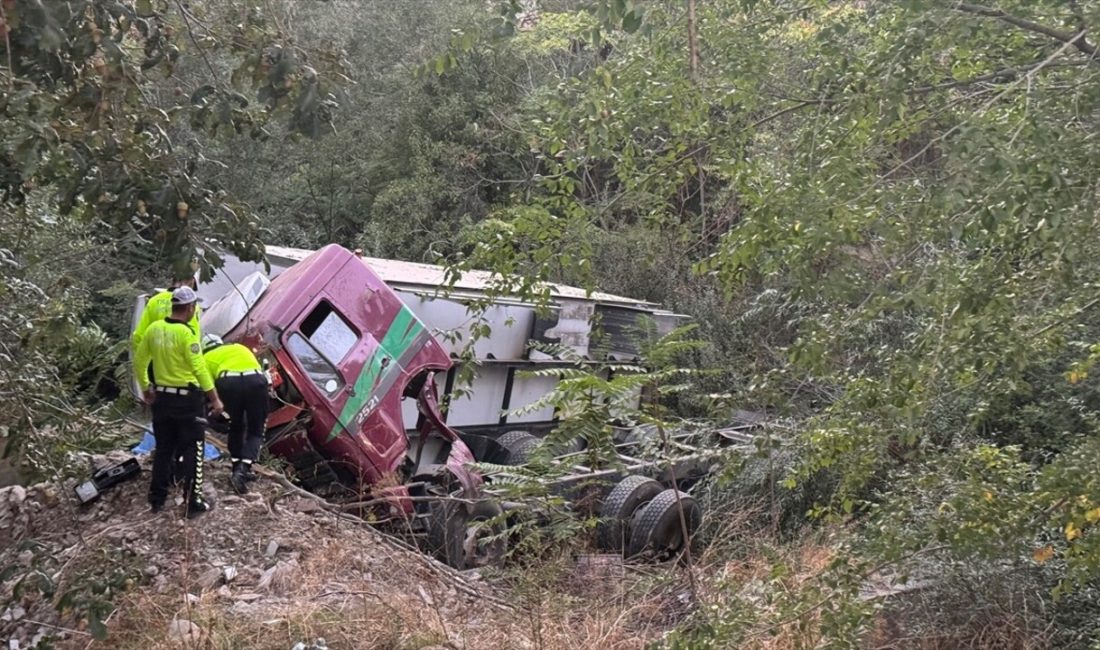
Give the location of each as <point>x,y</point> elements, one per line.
<point>229,357</point>
<point>174,349</point>
<point>158,308</point>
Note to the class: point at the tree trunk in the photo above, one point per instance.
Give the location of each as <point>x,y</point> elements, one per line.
<point>693,42</point>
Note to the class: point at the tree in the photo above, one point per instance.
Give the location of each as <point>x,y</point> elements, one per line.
<point>905,193</point>
<point>101,185</point>
<point>93,96</point>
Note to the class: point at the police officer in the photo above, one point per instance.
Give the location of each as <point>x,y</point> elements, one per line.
<point>156,309</point>
<point>242,384</point>
<point>159,307</point>
<point>177,399</point>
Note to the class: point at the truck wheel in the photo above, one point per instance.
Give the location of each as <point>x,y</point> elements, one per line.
<point>657,532</point>
<point>619,507</point>
<point>484,543</point>
<point>465,537</point>
<point>446,532</point>
<point>515,448</point>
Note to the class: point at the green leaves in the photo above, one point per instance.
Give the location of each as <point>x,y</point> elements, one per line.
<point>83,100</point>
<point>632,20</point>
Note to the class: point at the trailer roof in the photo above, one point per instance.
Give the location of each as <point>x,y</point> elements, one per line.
<point>415,276</point>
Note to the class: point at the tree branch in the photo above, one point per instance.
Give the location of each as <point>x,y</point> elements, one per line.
<point>202,52</point>
<point>1078,40</point>
<point>693,39</point>
<point>7,46</point>
<point>790,109</point>
<point>1002,75</point>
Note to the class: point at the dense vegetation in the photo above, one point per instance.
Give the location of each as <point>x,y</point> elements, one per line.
<point>882,216</point>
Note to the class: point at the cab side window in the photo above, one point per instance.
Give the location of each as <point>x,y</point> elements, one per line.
<point>329,333</point>
<point>325,339</point>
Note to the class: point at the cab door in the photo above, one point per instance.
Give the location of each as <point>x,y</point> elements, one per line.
<point>332,352</point>
<point>322,343</point>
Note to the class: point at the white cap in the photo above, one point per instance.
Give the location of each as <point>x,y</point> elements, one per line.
<point>210,340</point>
<point>184,296</point>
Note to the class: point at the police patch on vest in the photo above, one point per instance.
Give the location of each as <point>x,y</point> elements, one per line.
<point>194,348</point>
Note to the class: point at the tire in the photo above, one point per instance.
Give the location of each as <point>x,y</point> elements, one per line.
<point>454,532</point>
<point>656,531</point>
<point>619,506</point>
<point>446,531</point>
<point>484,520</point>
<point>515,448</point>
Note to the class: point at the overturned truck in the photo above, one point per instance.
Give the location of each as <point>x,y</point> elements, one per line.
<point>356,371</point>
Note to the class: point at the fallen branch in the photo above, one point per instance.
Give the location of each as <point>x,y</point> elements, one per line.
<point>359,505</point>
<point>347,593</point>
<point>56,627</point>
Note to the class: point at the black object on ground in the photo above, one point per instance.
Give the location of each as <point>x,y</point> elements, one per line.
<point>107,478</point>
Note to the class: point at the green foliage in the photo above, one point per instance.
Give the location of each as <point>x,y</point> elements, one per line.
<point>83,98</point>
<point>91,593</point>
<point>103,183</point>
<point>881,216</point>
<point>54,369</point>
<point>86,594</point>
<point>420,155</point>
<point>897,201</point>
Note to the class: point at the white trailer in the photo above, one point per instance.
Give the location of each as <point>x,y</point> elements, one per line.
<point>487,407</point>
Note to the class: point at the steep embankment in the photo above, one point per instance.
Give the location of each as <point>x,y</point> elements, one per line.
<point>272,569</point>
<point>255,572</point>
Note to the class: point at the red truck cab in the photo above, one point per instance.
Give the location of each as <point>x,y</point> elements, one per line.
<point>344,352</point>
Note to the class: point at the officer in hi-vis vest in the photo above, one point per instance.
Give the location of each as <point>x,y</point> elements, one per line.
<point>177,399</point>
<point>242,385</point>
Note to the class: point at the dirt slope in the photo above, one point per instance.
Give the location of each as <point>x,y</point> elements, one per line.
<point>243,575</point>
<point>269,570</point>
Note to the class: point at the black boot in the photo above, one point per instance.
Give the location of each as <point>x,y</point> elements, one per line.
<point>237,479</point>
<point>196,508</point>
<point>249,475</point>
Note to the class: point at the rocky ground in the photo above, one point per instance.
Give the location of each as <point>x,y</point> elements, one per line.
<point>274,569</point>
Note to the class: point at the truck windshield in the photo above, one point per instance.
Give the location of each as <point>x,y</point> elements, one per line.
<point>324,341</point>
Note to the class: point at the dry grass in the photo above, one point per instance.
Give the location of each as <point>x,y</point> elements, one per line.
<point>336,581</point>
<point>340,583</point>
<point>356,611</point>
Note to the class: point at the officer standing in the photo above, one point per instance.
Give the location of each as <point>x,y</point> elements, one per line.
<point>242,384</point>
<point>176,397</point>
<point>159,307</point>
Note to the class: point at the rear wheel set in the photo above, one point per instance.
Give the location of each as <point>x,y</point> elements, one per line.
<point>645,521</point>
<point>516,448</point>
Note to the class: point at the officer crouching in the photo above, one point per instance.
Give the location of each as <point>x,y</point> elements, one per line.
<point>242,384</point>
<point>176,399</point>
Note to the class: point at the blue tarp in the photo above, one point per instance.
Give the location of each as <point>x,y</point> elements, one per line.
<point>210,452</point>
